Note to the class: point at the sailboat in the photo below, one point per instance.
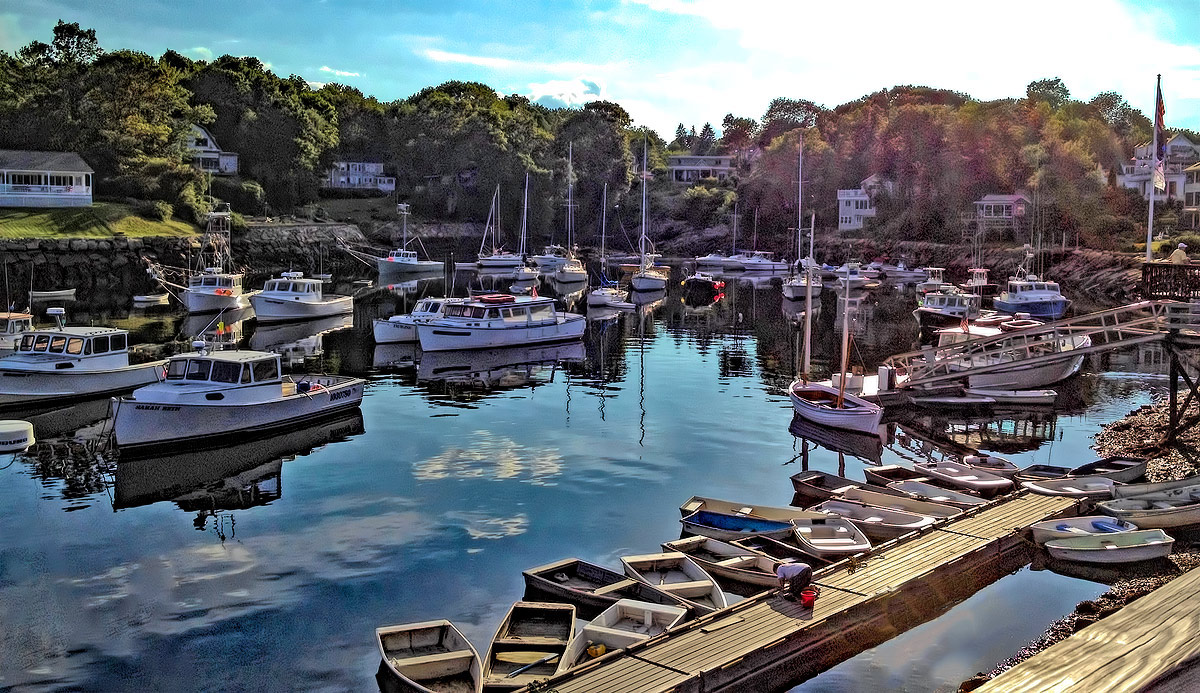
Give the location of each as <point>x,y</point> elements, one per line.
<point>572,270</point>
<point>608,293</point>
<point>800,286</point>
<point>497,257</point>
<point>524,272</point>
<point>648,277</point>
<point>825,404</point>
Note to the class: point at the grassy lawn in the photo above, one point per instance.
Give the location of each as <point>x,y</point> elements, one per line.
<point>101,220</point>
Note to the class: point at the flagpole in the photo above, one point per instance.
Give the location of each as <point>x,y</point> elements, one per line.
<point>1153,169</point>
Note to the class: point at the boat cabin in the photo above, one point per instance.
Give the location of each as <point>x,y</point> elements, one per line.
<point>74,341</point>
<point>502,309</point>
<point>293,283</point>
<point>224,367</point>
<point>936,274</point>
<point>400,255</point>
<point>952,303</point>
<point>15,323</point>
<point>217,282</point>
<point>1020,286</point>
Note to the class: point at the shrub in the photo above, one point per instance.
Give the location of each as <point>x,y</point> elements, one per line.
<point>154,210</point>
<point>245,196</point>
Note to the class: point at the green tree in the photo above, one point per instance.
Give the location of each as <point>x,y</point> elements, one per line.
<point>1051,91</point>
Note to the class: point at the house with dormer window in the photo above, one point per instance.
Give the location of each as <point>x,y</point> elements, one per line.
<point>208,156</point>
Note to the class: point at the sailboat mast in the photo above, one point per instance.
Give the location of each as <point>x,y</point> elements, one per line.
<point>487,225</point>
<point>1153,168</point>
<point>845,342</point>
<point>524,215</point>
<point>642,240</point>
<point>603,223</point>
<point>570,206</point>
<point>756,228</point>
<point>807,271</point>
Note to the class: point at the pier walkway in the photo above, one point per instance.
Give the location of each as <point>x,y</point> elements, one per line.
<point>1149,645</point>
<point>766,642</point>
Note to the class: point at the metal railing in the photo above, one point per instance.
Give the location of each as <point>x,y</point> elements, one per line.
<point>46,189</point>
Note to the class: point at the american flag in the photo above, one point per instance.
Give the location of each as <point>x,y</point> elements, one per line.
<point>1160,177</point>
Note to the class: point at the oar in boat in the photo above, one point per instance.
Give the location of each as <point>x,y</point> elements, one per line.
<point>530,665</point>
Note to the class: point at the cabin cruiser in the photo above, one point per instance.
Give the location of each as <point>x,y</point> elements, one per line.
<point>221,395</point>
<point>496,320</point>
<point>763,262</point>
<point>710,260</point>
<point>214,290</point>
<point>852,275</point>
<point>12,326</point>
<point>935,281</point>
<point>65,363</point>
<point>400,261</point>
<point>403,328</point>
<point>292,297</point>
<point>947,308</point>
<point>1029,294</point>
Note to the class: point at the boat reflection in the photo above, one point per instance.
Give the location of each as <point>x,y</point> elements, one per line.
<point>225,329</point>
<point>497,369</point>
<point>229,478</point>
<point>866,447</point>
<point>296,341</point>
<point>1004,432</point>
<point>794,310</point>
<point>395,356</point>
<point>568,293</point>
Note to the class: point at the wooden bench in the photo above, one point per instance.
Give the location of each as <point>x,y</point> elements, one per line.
<point>693,588</point>
<point>435,658</point>
<point>615,586</point>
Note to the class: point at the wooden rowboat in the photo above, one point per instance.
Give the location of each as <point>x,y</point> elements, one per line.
<point>532,633</point>
<point>1036,472</point>
<point>590,587</point>
<point>1094,487</point>
<point>820,485</point>
<point>886,474</point>
<point>1077,527</point>
<point>767,512</point>
<point>899,501</point>
<point>1121,469</point>
<point>678,575</point>
<point>832,537</point>
<point>1123,547</point>
<point>728,527</point>
<point>925,491</point>
<point>983,483</point>
<point>1132,490</point>
<point>430,656</point>
<point>879,524</point>
<point>621,625</point>
<point>727,561</point>
<point>56,295</point>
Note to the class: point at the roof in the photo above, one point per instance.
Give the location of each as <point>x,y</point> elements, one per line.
<point>234,355</point>
<point>1002,198</point>
<point>80,331</point>
<point>1193,167</point>
<point>22,160</point>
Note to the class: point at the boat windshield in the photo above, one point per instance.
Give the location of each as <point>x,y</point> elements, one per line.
<point>266,369</point>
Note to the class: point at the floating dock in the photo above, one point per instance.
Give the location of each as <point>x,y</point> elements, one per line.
<point>767,642</point>
<point>1150,644</point>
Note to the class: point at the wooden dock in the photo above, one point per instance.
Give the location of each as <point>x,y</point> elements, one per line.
<point>1149,645</point>
<point>768,643</point>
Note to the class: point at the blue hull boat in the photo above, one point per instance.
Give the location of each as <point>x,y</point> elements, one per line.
<point>726,527</point>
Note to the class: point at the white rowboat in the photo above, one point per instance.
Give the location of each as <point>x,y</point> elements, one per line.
<point>1077,527</point>
<point>876,522</point>
<point>1095,487</point>
<point>678,575</point>
<point>831,537</point>
<point>983,483</point>
<point>432,656</point>
<point>1123,547</point>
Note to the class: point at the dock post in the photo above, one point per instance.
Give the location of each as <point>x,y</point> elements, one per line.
<point>1173,376</point>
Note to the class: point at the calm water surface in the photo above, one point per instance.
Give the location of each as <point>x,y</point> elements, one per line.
<point>267,566</point>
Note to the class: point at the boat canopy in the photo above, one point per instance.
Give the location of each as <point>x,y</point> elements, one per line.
<point>74,341</point>
<point>231,367</point>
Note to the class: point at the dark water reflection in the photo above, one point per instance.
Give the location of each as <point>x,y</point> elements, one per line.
<point>267,565</point>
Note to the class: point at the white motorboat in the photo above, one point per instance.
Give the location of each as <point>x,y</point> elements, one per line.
<point>1123,547</point>
<point>611,296</point>
<point>761,261</point>
<point>678,575</point>
<point>66,363</point>
<point>831,537</point>
<point>822,404</point>
<point>215,397</point>
<point>403,328</point>
<point>1065,527</point>
<point>940,308</point>
<point>962,476</point>
<point>430,656</point>
<point>292,297</point>
<point>878,523</point>
<point>12,326</point>
<point>900,273</point>
<point>1175,507</point>
<point>550,258</point>
<point>571,271</point>
<point>977,282</point>
<point>1014,396</point>
<point>498,320</point>
<point>530,644</point>
<point>1094,487</point>
<point>798,286</point>
<point>1016,375</point>
<point>214,285</point>
<point>727,561</point>
<point>928,492</point>
<point>402,261</point>
<point>627,622</point>
<point>935,281</point>
<point>710,260</point>
<point>894,500</point>
<point>525,273</point>
<point>496,257</point>
<point>851,275</point>
<point>991,464</point>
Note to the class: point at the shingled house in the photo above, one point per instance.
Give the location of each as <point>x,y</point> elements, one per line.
<point>44,179</point>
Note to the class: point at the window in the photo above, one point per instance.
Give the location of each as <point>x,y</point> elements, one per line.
<point>198,369</point>
<point>100,344</point>
<point>118,342</point>
<point>75,346</point>
<point>27,343</point>
<point>208,281</point>
<point>62,180</point>
<point>246,375</point>
<point>265,370</point>
<point>43,341</point>
<point>57,344</point>
<point>176,369</point>
<point>224,372</point>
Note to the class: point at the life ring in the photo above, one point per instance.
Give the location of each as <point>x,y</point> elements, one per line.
<point>224,292</point>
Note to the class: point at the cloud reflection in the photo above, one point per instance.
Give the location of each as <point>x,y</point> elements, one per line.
<point>492,457</point>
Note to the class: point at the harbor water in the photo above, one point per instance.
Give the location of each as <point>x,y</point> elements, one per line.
<point>267,565</point>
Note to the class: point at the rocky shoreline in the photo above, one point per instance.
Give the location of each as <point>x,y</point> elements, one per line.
<point>1138,434</point>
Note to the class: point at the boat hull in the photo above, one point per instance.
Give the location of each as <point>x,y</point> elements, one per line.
<point>392,266</point>
<point>646,282</point>
<point>201,302</point>
<point>590,587</point>
<point>434,653</point>
<point>270,309</point>
<point>1124,547</point>
<point>394,331</point>
<point>1028,377</point>
<point>861,416</point>
<point>1051,309</point>
<point>36,387</point>
<point>435,337</point>
<point>143,426</point>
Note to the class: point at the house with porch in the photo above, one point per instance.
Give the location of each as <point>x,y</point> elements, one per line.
<point>207,154</point>
<point>855,205</point>
<point>358,175</point>
<point>1003,212</point>
<point>691,168</point>
<point>1191,198</point>
<point>44,179</point>
<point>1179,153</point>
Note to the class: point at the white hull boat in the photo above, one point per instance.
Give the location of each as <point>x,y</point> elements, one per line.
<point>818,403</point>
<point>796,289</point>
<point>1094,487</point>
<point>525,274</point>
<point>1134,490</point>
<point>430,657</point>
<point>831,537</point>
<point>1067,527</point>
<point>219,396</point>
<point>1014,396</point>
<point>499,320</point>
<point>710,260</point>
<point>403,328</point>
<point>627,622</point>
<point>1177,507</point>
<point>877,523</point>
<point>201,301</point>
<point>895,501</point>
<point>679,576</point>
<point>570,272</point>
<point>532,633</point>
<point>56,295</point>
<point>609,296</point>
<point>151,300</point>
<point>983,483</point>
<point>1028,377</point>
<point>991,464</point>
<point>405,262</point>
<point>928,492</point>
<point>499,260</point>
<point>649,278</point>
<point>292,297</point>
<point>724,560</point>
<point>1123,547</point>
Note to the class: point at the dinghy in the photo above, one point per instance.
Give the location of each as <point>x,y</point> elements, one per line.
<point>676,574</point>
<point>1037,472</point>
<point>983,483</point>
<point>1077,527</point>
<point>991,464</point>
<point>831,537</point>
<point>879,524</point>
<point>728,527</point>
<point>1133,490</point>
<point>150,300</point>
<point>529,645</point>
<point>619,626</point>
<point>1123,547</point>
<point>727,561</point>
<point>432,656</point>
<point>780,551</point>
<point>820,485</point>
<point>767,512</point>
<point>1178,507</point>
<point>590,587</point>
<point>897,501</point>
<point>922,490</point>
<point>1094,487</point>
<point>1120,469</point>
<point>1034,397</point>
<point>886,474</point>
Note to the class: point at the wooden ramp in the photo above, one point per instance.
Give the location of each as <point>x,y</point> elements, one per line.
<point>1151,644</point>
<point>767,642</point>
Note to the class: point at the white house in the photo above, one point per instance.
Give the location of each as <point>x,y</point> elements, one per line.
<point>857,204</point>
<point>44,179</point>
<point>1002,212</point>
<point>358,175</point>
<point>207,155</point>
<point>1179,153</point>
<point>691,168</point>
<point>1191,197</point>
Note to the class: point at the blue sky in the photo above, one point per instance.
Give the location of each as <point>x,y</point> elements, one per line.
<point>671,61</point>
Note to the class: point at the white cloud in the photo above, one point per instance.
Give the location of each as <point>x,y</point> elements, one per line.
<point>199,53</point>
<point>339,73</point>
<point>565,93</point>
<point>566,67</point>
<point>314,85</point>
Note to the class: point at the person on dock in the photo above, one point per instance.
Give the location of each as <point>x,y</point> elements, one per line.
<point>793,577</point>
<point>1179,256</point>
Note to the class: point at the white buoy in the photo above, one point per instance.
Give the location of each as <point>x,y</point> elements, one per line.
<point>15,435</point>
